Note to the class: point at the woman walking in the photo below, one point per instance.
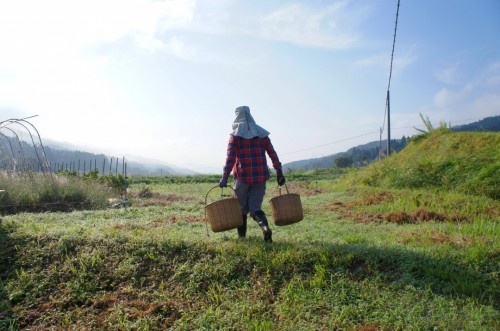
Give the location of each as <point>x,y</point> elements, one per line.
<point>246,158</point>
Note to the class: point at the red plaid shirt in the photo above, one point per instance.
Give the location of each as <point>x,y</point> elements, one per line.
<point>247,159</point>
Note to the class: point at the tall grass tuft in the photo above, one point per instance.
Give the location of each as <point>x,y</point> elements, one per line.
<point>38,192</point>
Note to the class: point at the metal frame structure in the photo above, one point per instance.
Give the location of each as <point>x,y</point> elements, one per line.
<point>24,125</point>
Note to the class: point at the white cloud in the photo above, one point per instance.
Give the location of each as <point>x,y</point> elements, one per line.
<point>492,74</point>
<point>449,75</point>
<point>44,43</point>
<point>178,47</point>
<point>380,59</point>
<point>402,59</point>
<point>487,104</point>
<point>476,99</point>
<point>406,58</point>
<point>328,27</point>
<point>457,104</point>
<point>59,28</point>
<point>447,99</point>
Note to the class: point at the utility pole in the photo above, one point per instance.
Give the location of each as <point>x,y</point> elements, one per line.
<point>388,124</point>
<point>380,145</point>
<point>389,86</point>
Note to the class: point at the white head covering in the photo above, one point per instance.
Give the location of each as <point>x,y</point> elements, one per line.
<point>244,125</point>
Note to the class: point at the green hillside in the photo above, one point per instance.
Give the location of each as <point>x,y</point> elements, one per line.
<point>466,162</point>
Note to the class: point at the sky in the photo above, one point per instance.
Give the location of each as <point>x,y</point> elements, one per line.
<point>161,79</point>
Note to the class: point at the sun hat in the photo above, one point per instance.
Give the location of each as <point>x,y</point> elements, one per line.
<point>244,125</point>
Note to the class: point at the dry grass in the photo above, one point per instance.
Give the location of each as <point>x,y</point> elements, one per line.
<point>353,210</point>
<point>146,197</point>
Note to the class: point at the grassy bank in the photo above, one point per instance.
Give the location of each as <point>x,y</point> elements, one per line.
<point>441,160</point>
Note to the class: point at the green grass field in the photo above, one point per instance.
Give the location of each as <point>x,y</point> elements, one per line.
<point>369,255</point>
<point>154,267</point>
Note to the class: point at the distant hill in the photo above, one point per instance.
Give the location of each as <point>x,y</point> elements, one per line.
<point>365,154</point>
<point>360,155</point>
<point>134,167</point>
<point>25,156</point>
<point>489,124</point>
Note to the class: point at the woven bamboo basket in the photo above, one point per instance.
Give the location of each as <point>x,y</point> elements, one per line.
<point>224,214</point>
<point>287,208</point>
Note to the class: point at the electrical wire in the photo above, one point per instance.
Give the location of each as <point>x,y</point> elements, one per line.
<point>331,143</point>
<point>366,134</point>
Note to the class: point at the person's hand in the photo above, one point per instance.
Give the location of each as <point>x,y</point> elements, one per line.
<point>223,182</point>
<point>281,180</point>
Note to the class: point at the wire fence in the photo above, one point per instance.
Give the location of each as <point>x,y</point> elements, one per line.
<point>103,166</point>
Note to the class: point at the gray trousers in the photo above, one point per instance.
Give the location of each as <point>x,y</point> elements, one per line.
<point>250,196</point>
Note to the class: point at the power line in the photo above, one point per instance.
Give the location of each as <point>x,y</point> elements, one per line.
<point>331,143</point>
<point>366,134</point>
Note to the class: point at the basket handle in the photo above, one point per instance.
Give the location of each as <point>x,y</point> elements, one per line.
<point>206,196</point>
<point>279,189</point>
<point>221,194</point>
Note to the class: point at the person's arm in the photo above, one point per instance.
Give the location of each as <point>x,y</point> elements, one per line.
<point>275,160</point>
<point>230,158</point>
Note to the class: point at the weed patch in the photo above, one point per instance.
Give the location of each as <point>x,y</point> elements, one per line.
<point>158,199</point>
<point>420,215</point>
<point>456,240</point>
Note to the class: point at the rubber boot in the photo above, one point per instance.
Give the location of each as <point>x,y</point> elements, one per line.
<point>261,219</point>
<point>242,229</point>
